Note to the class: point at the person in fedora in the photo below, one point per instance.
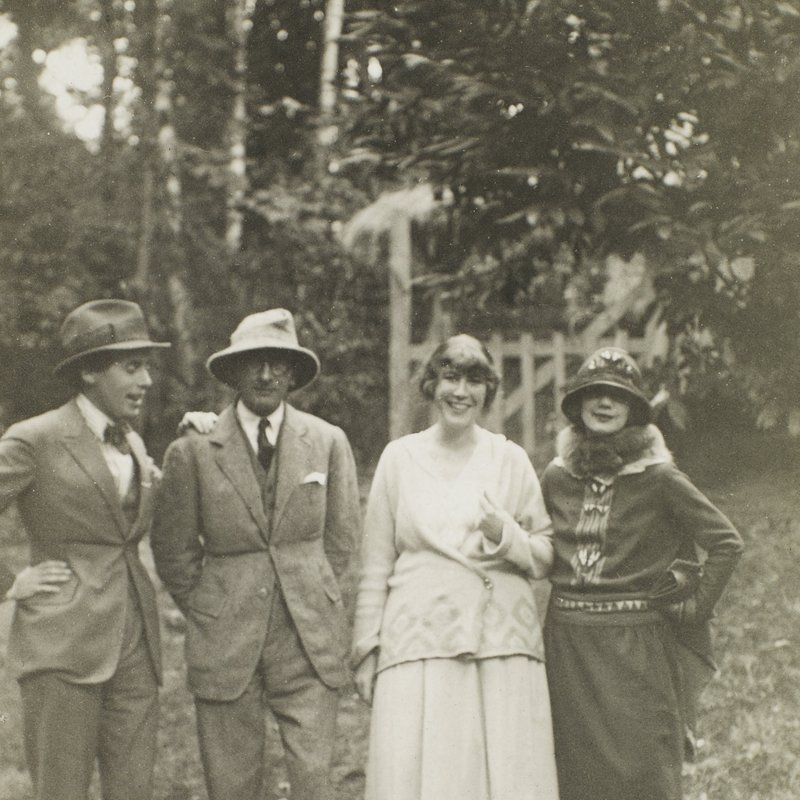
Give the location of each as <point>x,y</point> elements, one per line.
<point>627,639</point>
<point>84,640</point>
<point>255,524</point>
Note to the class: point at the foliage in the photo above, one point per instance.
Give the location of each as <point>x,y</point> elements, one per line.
<point>73,226</point>
<point>62,238</point>
<point>582,129</point>
<point>555,133</point>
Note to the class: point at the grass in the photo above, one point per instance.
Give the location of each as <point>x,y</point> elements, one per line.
<point>751,712</point>
<point>750,720</point>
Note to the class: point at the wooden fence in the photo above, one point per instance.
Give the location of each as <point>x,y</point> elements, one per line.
<point>538,366</point>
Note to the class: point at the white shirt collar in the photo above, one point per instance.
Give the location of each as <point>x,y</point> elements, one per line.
<point>249,421</point>
<point>120,464</point>
<point>96,419</point>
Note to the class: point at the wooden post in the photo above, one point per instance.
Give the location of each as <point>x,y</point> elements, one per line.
<point>495,417</point>
<point>559,371</point>
<point>399,324</point>
<point>527,369</point>
<point>441,325</point>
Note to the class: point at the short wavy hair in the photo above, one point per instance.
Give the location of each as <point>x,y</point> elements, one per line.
<point>72,374</point>
<point>467,356</point>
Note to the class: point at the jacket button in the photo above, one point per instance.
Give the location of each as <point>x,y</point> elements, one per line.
<point>262,592</point>
<point>487,583</point>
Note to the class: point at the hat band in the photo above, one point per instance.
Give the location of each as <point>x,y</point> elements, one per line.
<point>104,335</point>
<point>261,341</point>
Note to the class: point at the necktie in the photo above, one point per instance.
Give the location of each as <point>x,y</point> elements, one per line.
<point>116,435</point>
<point>265,449</point>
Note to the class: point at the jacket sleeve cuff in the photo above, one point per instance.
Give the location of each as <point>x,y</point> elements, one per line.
<point>362,648</point>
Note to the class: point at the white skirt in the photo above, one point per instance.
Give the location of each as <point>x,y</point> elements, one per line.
<point>444,729</point>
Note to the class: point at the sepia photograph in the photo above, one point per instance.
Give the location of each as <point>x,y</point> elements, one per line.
<point>399,399</point>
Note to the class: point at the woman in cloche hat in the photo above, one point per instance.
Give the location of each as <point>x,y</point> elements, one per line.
<point>626,636</point>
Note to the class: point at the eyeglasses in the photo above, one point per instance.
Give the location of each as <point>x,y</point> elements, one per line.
<point>277,366</point>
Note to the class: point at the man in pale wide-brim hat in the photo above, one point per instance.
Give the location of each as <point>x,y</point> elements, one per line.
<point>255,524</point>
<point>84,638</point>
<point>271,331</point>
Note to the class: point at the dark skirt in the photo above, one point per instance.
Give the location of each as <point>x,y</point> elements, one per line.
<point>614,693</point>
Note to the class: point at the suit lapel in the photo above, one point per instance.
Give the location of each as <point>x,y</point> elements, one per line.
<point>235,461</point>
<point>85,450</point>
<point>293,448</point>
<point>146,491</point>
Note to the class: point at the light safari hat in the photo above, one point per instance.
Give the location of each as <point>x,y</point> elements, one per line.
<point>266,330</point>
<point>101,325</point>
<point>613,367</point>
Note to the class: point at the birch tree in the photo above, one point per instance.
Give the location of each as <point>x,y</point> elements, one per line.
<point>161,221</point>
<point>239,21</point>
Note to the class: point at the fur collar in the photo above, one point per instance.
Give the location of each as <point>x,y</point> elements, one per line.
<point>625,453</point>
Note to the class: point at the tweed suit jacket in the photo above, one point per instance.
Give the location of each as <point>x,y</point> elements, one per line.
<point>53,466</point>
<point>219,556</point>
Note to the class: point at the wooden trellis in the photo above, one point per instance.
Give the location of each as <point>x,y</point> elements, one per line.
<point>542,365</point>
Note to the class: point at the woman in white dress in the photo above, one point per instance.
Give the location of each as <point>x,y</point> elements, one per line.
<point>448,642</point>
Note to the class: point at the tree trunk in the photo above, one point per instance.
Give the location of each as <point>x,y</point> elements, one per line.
<point>161,222</point>
<point>146,27</point>
<point>27,75</point>
<point>334,18</point>
<point>107,28</point>
<point>327,133</point>
<point>238,19</point>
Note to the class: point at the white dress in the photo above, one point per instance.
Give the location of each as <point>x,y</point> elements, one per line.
<point>461,708</point>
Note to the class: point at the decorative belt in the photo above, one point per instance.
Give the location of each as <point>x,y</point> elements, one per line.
<point>600,606</point>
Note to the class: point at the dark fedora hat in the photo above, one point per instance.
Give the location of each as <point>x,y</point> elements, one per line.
<point>266,330</point>
<point>612,367</point>
<point>101,325</point>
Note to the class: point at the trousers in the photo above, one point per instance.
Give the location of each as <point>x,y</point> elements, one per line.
<point>68,727</point>
<point>232,734</point>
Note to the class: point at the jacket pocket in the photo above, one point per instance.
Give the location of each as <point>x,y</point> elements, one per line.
<point>206,603</point>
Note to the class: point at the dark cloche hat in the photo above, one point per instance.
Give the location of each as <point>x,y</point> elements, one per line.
<point>101,325</point>
<point>609,366</point>
<point>266,330</point>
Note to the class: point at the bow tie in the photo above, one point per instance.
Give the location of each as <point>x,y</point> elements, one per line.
<point>117,436</point>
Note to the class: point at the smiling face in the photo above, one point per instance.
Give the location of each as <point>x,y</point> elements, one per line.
<point>604,409</point>
<point>460,398</point>
<point>118,389</point>
<point>263,378</point>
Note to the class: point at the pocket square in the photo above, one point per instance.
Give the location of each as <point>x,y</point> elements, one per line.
<point>316,477</point>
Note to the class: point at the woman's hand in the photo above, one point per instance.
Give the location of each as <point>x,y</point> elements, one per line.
<point>43,578</point>
<point>201,421</point>
<point>491,522</point>
<point>365,677</point>
<point>683,613</point>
